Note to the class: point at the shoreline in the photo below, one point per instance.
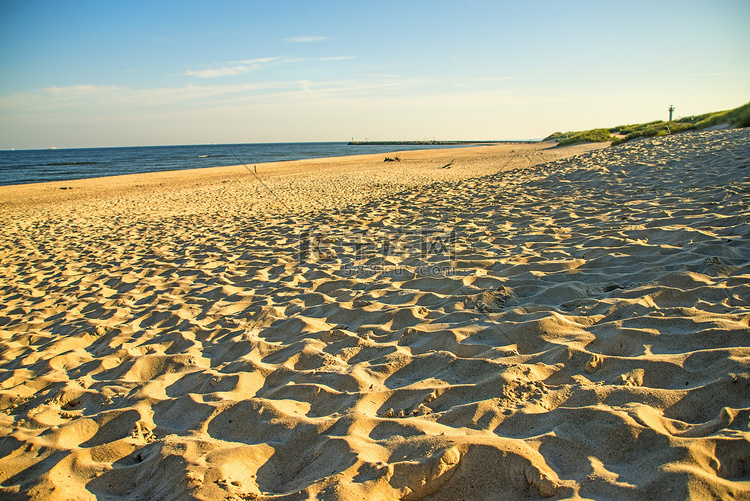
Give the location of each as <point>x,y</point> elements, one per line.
<point>192,172</point>
<point>38,166</point>
<point>119,185</point>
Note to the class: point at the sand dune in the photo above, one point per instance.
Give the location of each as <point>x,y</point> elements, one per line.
<point>530,322</point>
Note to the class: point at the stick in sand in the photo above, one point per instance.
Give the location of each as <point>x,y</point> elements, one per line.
<point>255,173</point>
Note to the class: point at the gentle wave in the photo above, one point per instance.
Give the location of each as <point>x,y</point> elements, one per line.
<point>35,166</point>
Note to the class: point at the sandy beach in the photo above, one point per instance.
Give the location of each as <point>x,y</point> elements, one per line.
<point>516,321</point>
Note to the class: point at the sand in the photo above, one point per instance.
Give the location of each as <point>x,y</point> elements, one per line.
<point>528,322</point>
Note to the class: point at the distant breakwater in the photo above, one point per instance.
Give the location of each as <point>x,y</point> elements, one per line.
<point>432,143</point>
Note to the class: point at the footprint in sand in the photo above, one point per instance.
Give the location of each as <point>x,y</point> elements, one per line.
<point>416,479</point>
<point>596,363</point>
<point>632,378</point>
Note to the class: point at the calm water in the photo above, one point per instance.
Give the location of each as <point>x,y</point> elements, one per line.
<point>36,166</point>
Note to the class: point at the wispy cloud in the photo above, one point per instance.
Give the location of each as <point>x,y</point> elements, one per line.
<point>232,68</point>
<point>110,99</point>
<point>226,71</point>
<point>235,68</point>
<point>259,60</point>
<point>305,39</point>
<point>80,90</point>
<point>363,93</point>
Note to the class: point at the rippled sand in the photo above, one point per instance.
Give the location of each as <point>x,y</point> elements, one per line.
<point>523,323</point>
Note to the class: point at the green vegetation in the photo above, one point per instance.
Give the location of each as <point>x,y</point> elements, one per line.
<point>651,129</point>
<point>738,117</point>
<point>587,136</point>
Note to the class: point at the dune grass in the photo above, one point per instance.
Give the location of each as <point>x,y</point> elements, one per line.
<point>738,117</point>
<point>587,136</point>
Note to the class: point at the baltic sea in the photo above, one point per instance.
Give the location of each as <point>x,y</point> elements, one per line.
<point>36,166</point>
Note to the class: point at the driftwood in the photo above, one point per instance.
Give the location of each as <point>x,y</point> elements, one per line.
<point>448,165</point>
<point>394,159</point>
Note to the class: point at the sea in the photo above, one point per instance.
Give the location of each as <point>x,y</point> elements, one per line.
<point>38,166</point>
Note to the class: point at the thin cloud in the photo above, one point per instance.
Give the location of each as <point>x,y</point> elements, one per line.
<point>226,71</point>
<point>259,60</point>
<point>368,93</point>
<point>233,68</point>
<point>81,90</point>
<point>237,68</point>
<point>305,39</point>
<point>114,98</point>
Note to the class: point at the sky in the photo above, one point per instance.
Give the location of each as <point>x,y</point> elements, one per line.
<point>102,73</point>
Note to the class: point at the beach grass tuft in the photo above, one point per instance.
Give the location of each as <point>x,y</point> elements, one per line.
<point>587,136</point>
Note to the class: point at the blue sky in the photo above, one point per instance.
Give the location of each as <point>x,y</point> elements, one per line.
<point>100,73</point>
